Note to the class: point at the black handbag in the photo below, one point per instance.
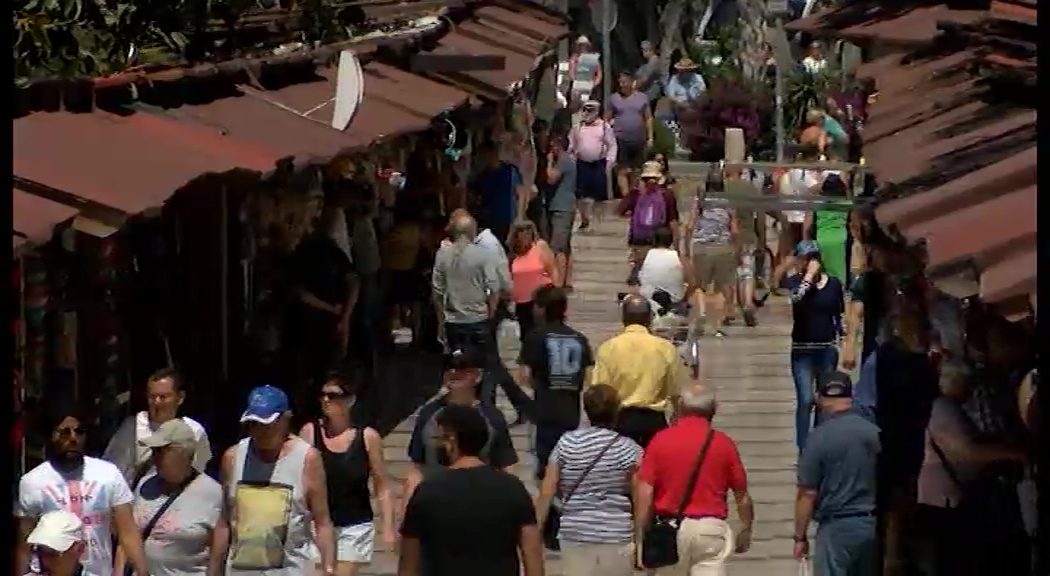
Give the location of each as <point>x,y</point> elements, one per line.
<point>553,523</point>
<point>660,540</point>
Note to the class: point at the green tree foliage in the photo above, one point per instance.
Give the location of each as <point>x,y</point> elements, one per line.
<point>76,38</point>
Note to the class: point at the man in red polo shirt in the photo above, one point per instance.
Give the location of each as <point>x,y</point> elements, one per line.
<point>705,539</point>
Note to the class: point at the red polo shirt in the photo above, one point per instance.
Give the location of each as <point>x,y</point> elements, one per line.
<point>669,460</point>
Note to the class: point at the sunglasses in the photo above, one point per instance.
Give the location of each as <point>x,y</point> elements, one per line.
<point>334,395</point>
<point>76,431</point>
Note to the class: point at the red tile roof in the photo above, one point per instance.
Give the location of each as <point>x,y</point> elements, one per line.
<point>887,22</point>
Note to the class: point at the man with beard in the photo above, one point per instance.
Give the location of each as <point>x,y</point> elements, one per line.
<point>469,518</point>
<point>93,490</point>
<point>58,543</point>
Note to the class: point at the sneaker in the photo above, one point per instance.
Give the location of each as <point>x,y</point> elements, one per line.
<point>728,321</point>
<point>402,336</point>
<point>749,318</point>
<point>719,334</point>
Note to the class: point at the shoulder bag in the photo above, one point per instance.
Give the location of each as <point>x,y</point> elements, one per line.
<point>553,523</point>
<point>148,528</point>
<point>660,540</point>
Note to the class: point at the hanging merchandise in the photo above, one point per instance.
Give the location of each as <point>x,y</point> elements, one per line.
<point>37,300</point>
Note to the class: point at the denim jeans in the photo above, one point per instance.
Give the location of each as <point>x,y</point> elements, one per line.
<point>805,365</point>
<point>845,547</point>
<point>483,335</point>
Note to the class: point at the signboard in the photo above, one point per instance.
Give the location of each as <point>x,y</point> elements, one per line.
<point>778,7</point>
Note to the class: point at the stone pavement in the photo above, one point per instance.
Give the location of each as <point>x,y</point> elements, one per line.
<point>750,368</point>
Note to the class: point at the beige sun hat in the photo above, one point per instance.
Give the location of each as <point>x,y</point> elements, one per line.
<point>652,169</point>
<point>685,64</point>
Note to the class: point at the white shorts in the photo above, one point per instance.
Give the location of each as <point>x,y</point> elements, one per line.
<point>352,543</point>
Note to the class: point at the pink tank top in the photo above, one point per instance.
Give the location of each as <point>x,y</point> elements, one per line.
<point>528,274</point>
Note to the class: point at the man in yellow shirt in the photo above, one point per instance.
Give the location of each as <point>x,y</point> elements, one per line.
<point>642,368</point>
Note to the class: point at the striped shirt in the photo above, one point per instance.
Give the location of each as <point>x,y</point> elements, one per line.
<point>599,511</point>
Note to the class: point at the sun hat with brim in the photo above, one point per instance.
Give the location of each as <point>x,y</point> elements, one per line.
<point>685,64</point>
<point>652,169</point>
<point>583,40</point>
<point>591,105</point>
<point>57,531</point>
<point>265,405</point>
<point>807,248</point>
<point>176,433</point>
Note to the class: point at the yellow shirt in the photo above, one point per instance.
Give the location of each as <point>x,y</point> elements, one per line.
<point>641,367</point>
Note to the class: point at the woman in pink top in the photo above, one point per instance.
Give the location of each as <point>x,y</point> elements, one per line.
<point>531,267</point>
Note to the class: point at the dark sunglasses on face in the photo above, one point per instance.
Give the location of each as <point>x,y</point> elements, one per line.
<point>334,395</point>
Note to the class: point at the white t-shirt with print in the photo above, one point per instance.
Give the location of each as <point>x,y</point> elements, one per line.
<point>797,183</point>
<point>91,492</point>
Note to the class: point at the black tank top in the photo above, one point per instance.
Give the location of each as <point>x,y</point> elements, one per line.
<point>346,473</point>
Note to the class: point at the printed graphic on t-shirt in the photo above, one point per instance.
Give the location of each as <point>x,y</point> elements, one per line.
<point>261,529</point>
<point>565,358</point>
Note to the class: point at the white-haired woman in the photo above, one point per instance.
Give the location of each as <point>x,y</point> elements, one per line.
<point>177,507</point>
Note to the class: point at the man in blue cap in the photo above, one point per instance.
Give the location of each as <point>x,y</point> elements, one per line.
<point>275,486</point>
<point>836,484</point>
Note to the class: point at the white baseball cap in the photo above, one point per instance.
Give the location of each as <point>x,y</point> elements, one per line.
<point>57,531</point>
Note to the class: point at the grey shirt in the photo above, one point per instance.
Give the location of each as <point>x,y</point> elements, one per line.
<point>650,79</point>
<point>629,117</point>
<point>839,462</point>
<point>564,197</point>
<point>464,276</point>
<point>180,541</point>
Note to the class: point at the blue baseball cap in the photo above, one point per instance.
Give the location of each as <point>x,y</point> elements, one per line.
<point>807,248</point>
<point>265,405</point>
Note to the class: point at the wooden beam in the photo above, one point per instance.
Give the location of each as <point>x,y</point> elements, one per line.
<point>456,63</point>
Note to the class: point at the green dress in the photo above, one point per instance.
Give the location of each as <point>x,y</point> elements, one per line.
<point>832,233</point>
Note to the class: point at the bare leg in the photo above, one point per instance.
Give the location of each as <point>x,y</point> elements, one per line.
<point>562,262</point>
<point>585,206</point>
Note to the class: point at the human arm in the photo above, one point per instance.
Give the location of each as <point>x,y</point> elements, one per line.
<point>612,148</point>
<point>948,428</point>
<point>553,174</point>
<point>502,455</point>
<point>492,285</point>
<point>548,488</point>
<point>417,453</point>
<point>647,115</point>
<point>220,535</point>
<point>380,482</point>
<point>530,540</point>
<point>627,203</point>
<point>672,214</point>
<point>352,292</point>
<point>598,72</point>
<point>810,473</point>
<point>744,506</point>
<point>409,559</point>
<point>439,285</point>
<point>317,501</point>
<point>808,232</point>
<point>549,265</point>
<point>675,92</point>
<point>600,373</point>
<point>130,537</point>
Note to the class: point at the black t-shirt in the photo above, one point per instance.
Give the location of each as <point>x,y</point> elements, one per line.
<point>469,521</point>
<point>557,357</point>
<point>423,445</point>
<point>906,386</point>
<point>321,268</point>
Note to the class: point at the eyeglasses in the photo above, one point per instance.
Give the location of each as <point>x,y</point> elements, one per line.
<point>334,395</point>
<point>75,431</point>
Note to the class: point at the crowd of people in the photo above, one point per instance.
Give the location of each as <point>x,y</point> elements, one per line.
<point>890,466</point>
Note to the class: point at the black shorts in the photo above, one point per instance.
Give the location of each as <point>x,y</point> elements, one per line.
<point>630,154</point>
<point>640,424</point>
<point>591,180</point>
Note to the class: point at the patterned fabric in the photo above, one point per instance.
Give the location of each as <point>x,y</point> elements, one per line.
<point>712,226</point>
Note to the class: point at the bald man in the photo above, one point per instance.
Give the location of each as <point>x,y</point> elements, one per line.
<point>470,297</point>
<point>642,368</point>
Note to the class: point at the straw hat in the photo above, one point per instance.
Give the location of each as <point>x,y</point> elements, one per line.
<point>652,169</point>
<point>685,64</point>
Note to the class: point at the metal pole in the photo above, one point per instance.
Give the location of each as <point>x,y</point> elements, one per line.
<point>606,51</point>
<point>779,106</point>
